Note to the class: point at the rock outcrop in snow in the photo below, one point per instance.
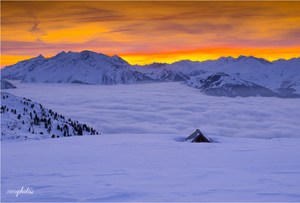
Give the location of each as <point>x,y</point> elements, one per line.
<point>282,77</point>
<point>23,119</point>
<point>6,85</point>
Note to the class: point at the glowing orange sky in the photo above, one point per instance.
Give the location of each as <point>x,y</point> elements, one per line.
<point>144,32</point>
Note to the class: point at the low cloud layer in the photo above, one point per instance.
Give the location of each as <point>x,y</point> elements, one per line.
<point>167,108</point>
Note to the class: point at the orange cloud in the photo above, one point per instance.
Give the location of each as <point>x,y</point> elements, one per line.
<point>143,32</point>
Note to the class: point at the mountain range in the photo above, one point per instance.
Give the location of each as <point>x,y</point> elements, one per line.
<point>226,76</point>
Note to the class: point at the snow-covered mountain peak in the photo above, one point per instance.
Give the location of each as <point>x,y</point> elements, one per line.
<point>294,62</point>
<point>154,65</point>
<point>59,55</point>
<point>85,55</point>
<point>250,59</point>
<point>19,70</point>
<point>89,57</point>
<point>185,63</point>
<point>228,59</point>
<point>284,60</point>
<point>119,60</point>
<point>40,57</point>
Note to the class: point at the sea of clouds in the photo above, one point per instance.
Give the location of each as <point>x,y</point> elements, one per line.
<point>167,108</point>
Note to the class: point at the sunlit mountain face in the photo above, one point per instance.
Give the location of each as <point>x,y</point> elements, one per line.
<point>146,32</point>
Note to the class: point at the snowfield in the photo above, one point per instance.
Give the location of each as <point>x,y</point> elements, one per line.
<point>152,167</point>
<point>140,154</point>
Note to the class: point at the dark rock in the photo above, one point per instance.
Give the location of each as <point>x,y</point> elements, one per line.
<point>6,85</point>
<point>197,136</point>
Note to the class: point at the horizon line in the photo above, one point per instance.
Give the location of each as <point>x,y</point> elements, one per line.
<point>155,62</point>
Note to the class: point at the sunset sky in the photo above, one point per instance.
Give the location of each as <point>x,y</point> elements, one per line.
<point>144,32</point>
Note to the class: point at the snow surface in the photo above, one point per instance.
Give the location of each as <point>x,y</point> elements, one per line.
<point>141,156</point>
<point>139,167</point>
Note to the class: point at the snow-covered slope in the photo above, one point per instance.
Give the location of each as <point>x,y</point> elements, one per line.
<point>221,84</point>
<point>6,85</point>
<point>23,119</point>
<point>19,70</point>
<point>289,71</point>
